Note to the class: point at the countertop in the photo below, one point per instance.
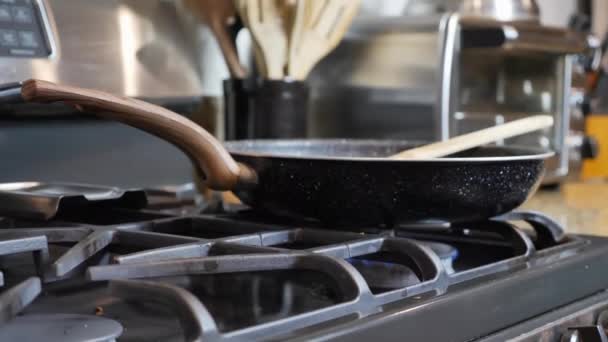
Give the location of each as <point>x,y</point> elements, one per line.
<point>581,207</point>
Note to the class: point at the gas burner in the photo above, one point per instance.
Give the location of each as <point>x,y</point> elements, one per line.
<point>61,328</point>
<point>384,276</point>
<point>447,253</point>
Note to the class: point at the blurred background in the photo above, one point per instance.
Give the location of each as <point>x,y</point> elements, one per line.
<point>396,74</point>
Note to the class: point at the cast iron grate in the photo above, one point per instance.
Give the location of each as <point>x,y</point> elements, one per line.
<point>196,266</point>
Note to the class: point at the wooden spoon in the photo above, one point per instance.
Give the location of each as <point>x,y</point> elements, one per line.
<point>265,21</point>
<point>241,7</point>
<point>477,138</point>
<point>319,26</point>
<point>217,13</point>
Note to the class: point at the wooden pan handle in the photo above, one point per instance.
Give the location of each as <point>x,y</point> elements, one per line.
<point>220,171</point>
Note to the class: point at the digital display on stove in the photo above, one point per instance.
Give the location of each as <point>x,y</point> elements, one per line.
<point>22,33</point>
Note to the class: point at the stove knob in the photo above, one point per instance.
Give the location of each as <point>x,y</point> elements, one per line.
<point>589,148</point>
<point>602,320</point>
<point>570,336</point>
<point>585,334</point>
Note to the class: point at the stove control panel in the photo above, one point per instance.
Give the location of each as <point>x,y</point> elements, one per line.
<point>582,321</point>
<point>22,29</point>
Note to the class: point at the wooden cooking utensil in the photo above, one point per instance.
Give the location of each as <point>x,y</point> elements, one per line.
<point>477,138</point>
<point>318,27</point>
<point>301,15</point>
<point>265,21</point>
<point>240,6</point>
<point>217,13</point>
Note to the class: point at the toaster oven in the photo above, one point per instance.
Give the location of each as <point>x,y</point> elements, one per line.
<point>432,77</point>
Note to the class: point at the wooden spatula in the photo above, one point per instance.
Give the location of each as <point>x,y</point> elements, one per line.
<point>318,27</point>
<point>478,138</point>
<point>216,13</point>
<point>265,21</point>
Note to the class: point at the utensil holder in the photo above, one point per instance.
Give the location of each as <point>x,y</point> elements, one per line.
<point>238,123</point>
<point>265,109</point>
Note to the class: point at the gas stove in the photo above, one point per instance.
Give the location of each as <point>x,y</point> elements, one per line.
<point>177,272</point>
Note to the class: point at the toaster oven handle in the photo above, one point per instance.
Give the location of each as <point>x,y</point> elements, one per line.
<point>524,38</point>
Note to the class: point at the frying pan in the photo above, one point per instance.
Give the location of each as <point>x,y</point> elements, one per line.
<point>338,182</point>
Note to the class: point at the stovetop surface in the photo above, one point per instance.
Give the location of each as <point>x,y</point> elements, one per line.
<point>175,274</point>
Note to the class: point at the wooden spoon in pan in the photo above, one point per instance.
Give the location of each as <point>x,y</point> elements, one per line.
<point>477,138</point>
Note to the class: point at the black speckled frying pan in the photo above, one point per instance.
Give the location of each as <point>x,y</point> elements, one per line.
<point>339,182</point>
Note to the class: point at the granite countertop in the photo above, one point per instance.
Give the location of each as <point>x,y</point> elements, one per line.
<point>581,207</point>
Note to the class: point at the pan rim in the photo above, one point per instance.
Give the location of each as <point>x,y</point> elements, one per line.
<point>236,149</point>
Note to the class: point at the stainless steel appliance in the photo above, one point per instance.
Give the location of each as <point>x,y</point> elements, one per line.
<point>133,48</point>
<point>432,77</point>
<point>503,10</point>
<point>147,49</point>
<point>105,273</point>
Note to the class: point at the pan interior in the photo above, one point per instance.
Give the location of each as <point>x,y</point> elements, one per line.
<point>365,149</point>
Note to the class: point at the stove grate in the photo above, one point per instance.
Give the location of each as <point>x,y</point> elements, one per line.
<point>147,261</point>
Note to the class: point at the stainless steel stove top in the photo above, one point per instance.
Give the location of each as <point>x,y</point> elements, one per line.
<point>100,274</point>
